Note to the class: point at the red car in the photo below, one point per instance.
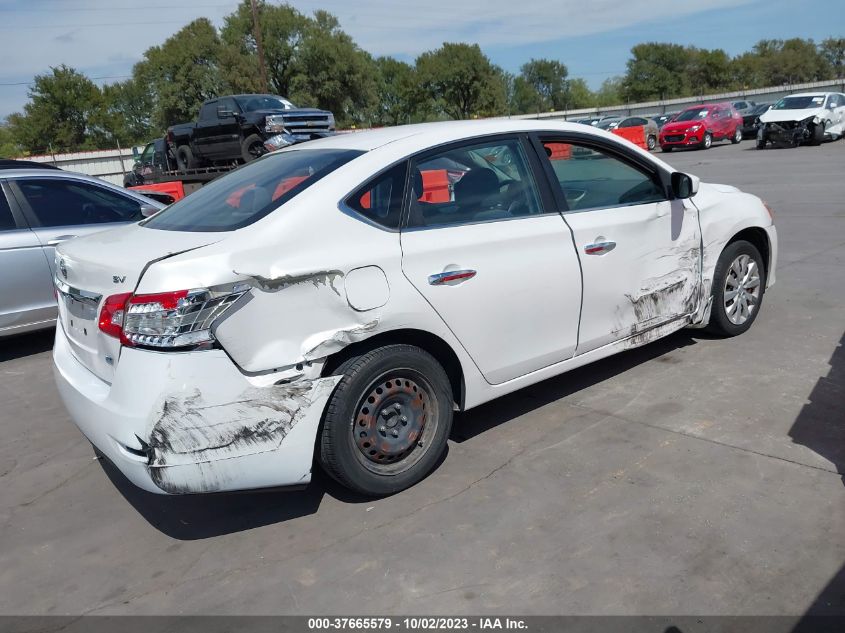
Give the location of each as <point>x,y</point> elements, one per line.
<point>700,125</point>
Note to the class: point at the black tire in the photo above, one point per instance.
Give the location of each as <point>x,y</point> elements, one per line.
<point>720,323</point>
<point>374,400</point>
<point>252,148</point>
<point>651,142</point>
<point>761,143</point>
<point>132,179</point>
<point>665,148</point>
<point>706,141</point>
<point>185,158</point>
<point>737,137</point>
<point>818,134</point>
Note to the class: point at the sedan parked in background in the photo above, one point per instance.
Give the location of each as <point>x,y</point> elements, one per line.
<point>699,126</point>
<point>41,207</point>
<point>663,119</point>
<point>750,121</point>
<point>650,129</point>
<point>803,118</point>
<point>324,302</point>
<point>744,107</point>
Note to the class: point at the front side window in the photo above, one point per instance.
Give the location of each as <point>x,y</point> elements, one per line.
<point>251,192</point>
<point>208,111</point>
<point>592,179</point>
<point>473,183</point>
<point>57,202</point>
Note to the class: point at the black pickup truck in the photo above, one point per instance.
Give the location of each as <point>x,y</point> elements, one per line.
<point>235,128</point>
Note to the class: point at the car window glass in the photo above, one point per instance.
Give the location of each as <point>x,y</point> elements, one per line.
<point>590,178</point>
<point>473,183</point>
<point>7,222</point>
<point>147,155</point>
<point>65,203</point>
<point>251,192</point>
<point>832,102</point>
<point>381,200</point>
<point>209,111</point>
<point>692,114</point>
<point>226,105</point>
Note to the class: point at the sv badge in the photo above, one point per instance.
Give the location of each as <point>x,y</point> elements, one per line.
<point>118,280</point>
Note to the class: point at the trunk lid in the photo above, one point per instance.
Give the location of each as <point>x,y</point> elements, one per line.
<point>90,269</point>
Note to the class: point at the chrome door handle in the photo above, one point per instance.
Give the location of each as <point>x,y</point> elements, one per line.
<point>451,277</point>
<point>59,239</point>
<point>599,248</point>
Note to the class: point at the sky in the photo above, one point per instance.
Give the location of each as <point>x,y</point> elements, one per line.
<point>104,38</point>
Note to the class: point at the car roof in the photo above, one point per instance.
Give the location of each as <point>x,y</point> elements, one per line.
<point>9,163</point>
<point>428,134</point>
<point>20,173</point>
<point>809,94</point>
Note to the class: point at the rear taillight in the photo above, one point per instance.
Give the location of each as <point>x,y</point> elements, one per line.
<point>167,319</point>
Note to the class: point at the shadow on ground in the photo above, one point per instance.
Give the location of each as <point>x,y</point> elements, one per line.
<point>26,344</point>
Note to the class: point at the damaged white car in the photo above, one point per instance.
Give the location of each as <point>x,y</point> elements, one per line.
<point>339,300</point>
<point>803,118</point>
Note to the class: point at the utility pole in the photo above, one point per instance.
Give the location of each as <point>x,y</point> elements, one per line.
<point>256,32</point>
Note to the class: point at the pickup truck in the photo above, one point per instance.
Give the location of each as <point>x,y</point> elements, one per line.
<point>234,129</point>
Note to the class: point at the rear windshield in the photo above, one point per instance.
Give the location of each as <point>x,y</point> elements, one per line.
<point>799,103</point>
<point>251,192</point>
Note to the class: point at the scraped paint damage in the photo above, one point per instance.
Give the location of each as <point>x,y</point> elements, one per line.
<point>194,441</point>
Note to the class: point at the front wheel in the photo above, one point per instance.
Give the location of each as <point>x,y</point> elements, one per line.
<point>707,141</point>
<point>388,420</point>
<point>739,283</point>
<point>252,148</point>
<point>737,137</point>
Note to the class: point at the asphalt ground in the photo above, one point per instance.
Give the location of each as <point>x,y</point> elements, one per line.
<point>691,476</point>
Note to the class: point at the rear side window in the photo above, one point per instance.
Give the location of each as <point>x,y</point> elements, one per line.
<point>56,202</point>
<point>251,192</point>
<point>381,199</point>
<point>208,111</point>
<point>7,222</point>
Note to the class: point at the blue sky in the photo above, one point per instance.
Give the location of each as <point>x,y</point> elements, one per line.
<point>103,38</point>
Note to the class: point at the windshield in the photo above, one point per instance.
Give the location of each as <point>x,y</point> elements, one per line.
<point>799,103</point>
<point>693,114</point>
<point>251,192</point>
<point>264,102</point>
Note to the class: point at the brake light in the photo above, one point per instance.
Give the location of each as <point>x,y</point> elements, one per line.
<point>111,315</point>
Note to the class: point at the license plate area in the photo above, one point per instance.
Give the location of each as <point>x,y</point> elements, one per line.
<point>78,312</point>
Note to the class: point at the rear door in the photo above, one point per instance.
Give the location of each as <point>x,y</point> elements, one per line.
<point>206,130</point>
<point>494,258</point>
<point>640,253</point>
<point>27,297</point>
<point>228,136</point>
<point>60,209</point>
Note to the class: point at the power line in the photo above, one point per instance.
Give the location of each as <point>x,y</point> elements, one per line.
<point>30,83</point>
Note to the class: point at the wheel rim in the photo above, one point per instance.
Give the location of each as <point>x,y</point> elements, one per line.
<point>651,142</point>
<point>707,140</point>
<point>738,135</point>
<point>256,150</point>
<point>395,422</point>
<point>742,289</point>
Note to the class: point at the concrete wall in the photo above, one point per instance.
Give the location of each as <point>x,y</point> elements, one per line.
<point>760,95</point>
<point>109,164</point>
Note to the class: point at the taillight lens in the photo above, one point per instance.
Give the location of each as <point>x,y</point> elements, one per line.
<point>168,319</point>
<point>111,316</point>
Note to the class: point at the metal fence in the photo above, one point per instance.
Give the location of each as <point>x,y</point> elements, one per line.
<point>108,164</point>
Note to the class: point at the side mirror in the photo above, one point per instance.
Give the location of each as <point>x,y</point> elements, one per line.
<point>148,210</point>
<point>684,185</point>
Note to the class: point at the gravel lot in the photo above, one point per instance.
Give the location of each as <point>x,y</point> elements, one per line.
<point>692,476</point>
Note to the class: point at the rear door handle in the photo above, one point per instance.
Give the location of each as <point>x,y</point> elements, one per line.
<point>59,239</point>
<point>599,248</point>
<point>451,277</point>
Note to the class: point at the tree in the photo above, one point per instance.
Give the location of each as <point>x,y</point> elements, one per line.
<point>580,95</point>
<point>8,147</point>
<point>128,108</point>
<point>548,79</point>
<point>709,70</point>
<point>833,51</point>
<point>790,61</point>
<point>461,81</point>
<point>282,32</point>
<point>399,100</point>
<point>656,71</point>
<point>65,112</point>
<point>182,73</point>
<point>610,92</point>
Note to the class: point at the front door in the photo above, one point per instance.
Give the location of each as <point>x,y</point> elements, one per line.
<point>496,262</point>
<point>640,252</point>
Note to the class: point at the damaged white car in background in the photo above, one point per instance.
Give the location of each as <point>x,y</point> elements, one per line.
<point>338,300</point>
<point>803,118</point>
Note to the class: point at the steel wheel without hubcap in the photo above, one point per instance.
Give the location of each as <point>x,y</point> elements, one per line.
<point>395,421</point>
<point>742,289</point>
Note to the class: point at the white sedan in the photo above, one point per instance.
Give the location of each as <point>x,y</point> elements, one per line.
<point>803,118</point>
<point>342,298</point>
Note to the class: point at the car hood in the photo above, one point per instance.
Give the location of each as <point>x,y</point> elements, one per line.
<point>679,126</point>
<point>775,116</point>
<point>296,111</point>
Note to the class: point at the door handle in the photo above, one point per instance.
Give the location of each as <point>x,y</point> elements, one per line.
<point>451,277</point>
<point>59,239</point>
<point>599,248</point>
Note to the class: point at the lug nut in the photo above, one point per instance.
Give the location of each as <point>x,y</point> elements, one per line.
<point>395,434</point>
<point>382,429</point>
<point>397,406</point>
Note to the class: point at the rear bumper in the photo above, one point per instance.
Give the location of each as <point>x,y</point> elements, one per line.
<point>190,422</point>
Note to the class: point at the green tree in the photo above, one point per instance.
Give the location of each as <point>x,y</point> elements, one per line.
<point>283,30</point>
<point>833,51</point>
<point>548,79</point>
<point>65,111</point>
<point>610,92</point>
<point>656,71</point>
<point>580,95</point>
<point>8,147</point>
<point>461,81</point>
<point>127,113</point>
<point>182,73</point>
<point>709,70</point>
<point>790,61</point>
<point>399,99</point>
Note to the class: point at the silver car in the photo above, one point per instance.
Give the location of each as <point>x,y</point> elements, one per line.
<point>39,208</point>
